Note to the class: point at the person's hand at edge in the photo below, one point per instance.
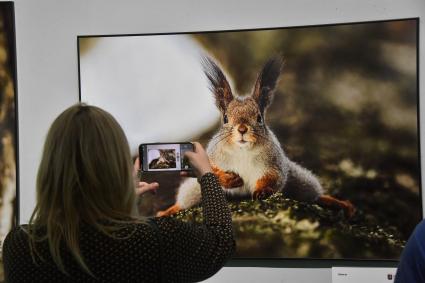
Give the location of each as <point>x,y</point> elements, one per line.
<point>199,161</point>
<point>142,187</point>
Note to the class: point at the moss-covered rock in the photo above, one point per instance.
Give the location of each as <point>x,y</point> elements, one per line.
<point>281,227</point>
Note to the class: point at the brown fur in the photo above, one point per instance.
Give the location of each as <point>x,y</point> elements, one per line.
<point>228,179</point>
<point>327,200</point>
<point>266,185</point>
<point>169,211</point>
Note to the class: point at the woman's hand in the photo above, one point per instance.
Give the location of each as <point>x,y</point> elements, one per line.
<point>199,161</point>
<point>143,187</point>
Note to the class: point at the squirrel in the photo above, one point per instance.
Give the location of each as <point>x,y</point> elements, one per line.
<point>245,154</point>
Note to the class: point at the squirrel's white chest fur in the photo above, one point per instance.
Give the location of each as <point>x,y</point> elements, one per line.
<point>245,161</point>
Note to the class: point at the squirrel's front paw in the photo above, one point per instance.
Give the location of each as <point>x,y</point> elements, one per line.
<point>262,193</point>
<point>169,211</point>
<point>230,179</point>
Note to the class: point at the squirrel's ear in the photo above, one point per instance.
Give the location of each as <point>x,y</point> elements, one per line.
<point>218,84</point>
<point>266,82</point>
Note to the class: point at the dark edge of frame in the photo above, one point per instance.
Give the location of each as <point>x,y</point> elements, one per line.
<point>309,262</point>
<point>418,116</point>
<point>13,59</point>
<point>247,29</point>
<point>295,262</point>
<point>79,73</point>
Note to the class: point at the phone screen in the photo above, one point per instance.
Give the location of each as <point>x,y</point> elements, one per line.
<point>164,156</point>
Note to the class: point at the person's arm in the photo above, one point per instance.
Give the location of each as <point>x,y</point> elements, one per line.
<point>195,252</point>
<point>411,268</point>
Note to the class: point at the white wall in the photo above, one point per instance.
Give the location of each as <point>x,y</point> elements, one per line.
<point>47,68</point>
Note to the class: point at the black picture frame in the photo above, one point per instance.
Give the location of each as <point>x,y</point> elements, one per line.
<point>298,262</point>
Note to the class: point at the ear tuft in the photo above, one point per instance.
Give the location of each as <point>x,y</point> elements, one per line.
<point>219,85</point>
<point>266,82</point>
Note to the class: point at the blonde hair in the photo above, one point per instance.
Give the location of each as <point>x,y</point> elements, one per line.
<point>85,175</point>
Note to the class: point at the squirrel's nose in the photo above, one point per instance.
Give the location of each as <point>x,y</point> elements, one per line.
<point>242,129</point>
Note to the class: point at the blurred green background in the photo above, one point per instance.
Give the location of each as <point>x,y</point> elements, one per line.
<point>345,107</point>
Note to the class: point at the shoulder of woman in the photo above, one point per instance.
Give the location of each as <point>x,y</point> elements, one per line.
<point>16,237</point>
<point>18,231</point>
<point>419,233</point>
<point>421,227</point>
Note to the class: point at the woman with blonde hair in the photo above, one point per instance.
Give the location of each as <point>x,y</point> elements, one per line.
<point>85,225</point>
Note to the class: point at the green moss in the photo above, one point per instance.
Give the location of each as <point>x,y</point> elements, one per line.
<point>280,227</point>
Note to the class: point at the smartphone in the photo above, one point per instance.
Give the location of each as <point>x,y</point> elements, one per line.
<point>156,157</point>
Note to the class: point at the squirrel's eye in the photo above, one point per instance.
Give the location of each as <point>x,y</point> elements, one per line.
<point>259,119</point>
<point>225,120</point>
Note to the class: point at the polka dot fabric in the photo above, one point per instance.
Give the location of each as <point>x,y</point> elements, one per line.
<point>162,250</point>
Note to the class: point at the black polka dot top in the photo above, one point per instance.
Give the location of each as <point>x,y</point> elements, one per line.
<point>162,250</point>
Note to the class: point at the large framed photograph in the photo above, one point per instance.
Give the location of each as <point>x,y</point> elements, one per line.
<point>312,131</point>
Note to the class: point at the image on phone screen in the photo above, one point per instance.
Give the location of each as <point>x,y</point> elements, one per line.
<point>165,157</point>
